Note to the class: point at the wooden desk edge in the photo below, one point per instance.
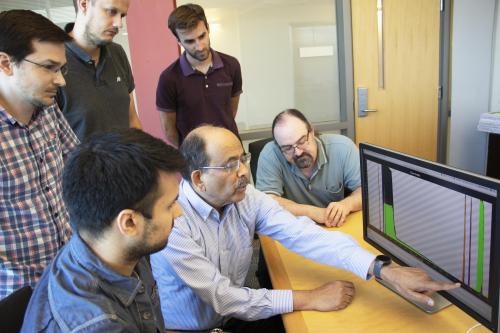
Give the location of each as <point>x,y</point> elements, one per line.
<point>280,278</point>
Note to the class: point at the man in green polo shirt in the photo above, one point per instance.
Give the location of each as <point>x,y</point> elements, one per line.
<point>309,174</point>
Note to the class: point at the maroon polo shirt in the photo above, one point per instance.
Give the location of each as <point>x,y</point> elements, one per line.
<point>199,98</point>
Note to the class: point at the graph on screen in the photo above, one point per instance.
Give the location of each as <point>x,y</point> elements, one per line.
<point>421,216</point>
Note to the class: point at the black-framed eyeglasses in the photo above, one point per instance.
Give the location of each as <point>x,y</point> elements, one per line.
<point>51,68</point>
<point>301,143</point>
<point>233,165</point>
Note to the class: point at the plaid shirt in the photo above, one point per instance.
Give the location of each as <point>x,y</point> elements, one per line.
<point>33,219</point>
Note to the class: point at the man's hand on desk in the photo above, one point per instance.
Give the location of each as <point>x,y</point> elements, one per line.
<point>332,296</point>
<point>336,213</point>
<point>414,283</point>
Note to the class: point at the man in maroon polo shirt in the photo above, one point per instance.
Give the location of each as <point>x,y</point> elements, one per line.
<point>202,86</point>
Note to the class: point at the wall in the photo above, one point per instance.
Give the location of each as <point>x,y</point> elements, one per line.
<point>269,79</point>
<point>152,49</point>
<point>495,84</point>
<point>259,34</point>
<point>471,68</point>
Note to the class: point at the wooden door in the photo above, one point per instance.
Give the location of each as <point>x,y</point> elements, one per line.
<point>407,106</point>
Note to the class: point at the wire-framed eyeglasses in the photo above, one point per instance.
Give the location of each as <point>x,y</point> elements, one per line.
<point>51,68</point>
<point>231,166</point>
<point>300,144</point>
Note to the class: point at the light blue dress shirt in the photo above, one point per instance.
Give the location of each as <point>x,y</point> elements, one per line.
<point>200,274</point>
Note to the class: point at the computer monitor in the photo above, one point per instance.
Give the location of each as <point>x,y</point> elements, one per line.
<point>438,218</point>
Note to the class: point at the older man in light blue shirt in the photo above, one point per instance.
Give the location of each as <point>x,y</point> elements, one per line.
<point>200,274</point>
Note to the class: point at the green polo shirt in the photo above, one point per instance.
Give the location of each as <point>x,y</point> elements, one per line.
<point>337,168</point>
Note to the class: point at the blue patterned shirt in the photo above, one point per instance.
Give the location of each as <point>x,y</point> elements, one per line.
<point>202,270</point>
<point>33,219</point>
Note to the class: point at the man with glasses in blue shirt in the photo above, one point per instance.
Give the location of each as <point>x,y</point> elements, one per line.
<point>308,174</point>
<point>201,272</point>
<point>34,142</point>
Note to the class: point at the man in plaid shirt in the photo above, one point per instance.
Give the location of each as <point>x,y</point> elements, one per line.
<point>34,141</point>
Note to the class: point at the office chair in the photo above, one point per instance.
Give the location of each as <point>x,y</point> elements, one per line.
<point>12,309</point>
<point>255,148</point>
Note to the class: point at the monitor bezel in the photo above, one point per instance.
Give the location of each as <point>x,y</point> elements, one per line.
<point>454,172</point>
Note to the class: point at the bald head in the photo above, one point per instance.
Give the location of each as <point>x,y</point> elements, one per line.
<point>202,144</point>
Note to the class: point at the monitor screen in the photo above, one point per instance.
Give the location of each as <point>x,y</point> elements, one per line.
<point>438,218</point>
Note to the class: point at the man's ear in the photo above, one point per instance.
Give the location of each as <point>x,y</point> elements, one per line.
<point>83,6</point>
<point>197,180</point>
<point>129,222</point>
<point>5,64</point>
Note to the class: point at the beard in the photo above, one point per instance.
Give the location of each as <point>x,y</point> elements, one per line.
<point>303,161</point>
<point>138,251</point>
<point>142,248</point>
<point>200,55</point>
<point>94,39</point>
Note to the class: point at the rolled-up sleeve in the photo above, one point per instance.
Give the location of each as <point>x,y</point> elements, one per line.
<point>269,171</point>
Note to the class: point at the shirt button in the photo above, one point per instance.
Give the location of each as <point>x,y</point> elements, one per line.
<point>41,159</point>
<point>141,289</point>
<point>146,315</point>
<point>47,188</point>
<point>56,214</point>
<point>206,85</point>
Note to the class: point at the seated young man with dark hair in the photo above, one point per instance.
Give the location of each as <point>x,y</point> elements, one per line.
<point>121,191</point>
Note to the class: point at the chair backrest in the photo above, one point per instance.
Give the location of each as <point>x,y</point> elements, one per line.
<point>12,309</point>
<point>255,148</point>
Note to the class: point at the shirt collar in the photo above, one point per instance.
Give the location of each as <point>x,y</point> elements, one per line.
<point>194,200</point>
<point>8,118</point>
<point>125,288</point>
<point>199,205</point>
<point>81,54</point>
<point>322,158</point>
<point>187,69</point>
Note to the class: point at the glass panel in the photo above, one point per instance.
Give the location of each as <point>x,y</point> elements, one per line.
<point>288,54</point>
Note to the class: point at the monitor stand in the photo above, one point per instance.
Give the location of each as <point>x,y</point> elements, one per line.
<point>439,301</point>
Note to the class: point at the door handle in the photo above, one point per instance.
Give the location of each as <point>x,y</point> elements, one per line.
<point>363,102</point>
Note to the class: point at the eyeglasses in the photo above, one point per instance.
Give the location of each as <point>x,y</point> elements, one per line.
<point>233,165</point>
<point>51,68</point>
<point>290,149</point>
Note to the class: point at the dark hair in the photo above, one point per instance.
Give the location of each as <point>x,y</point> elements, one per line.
<point>113,171</point>
<point>19,28</point>
<point>186,17</point>
<point>292,113</point>
<point>193,151</point>
<point>69,27</point>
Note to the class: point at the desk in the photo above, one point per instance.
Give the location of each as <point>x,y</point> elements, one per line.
<point>374,308</point>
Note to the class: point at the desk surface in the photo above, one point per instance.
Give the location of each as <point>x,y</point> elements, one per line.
<point>374,308</point>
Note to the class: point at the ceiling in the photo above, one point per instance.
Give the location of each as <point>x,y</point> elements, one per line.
<point>59,11</point>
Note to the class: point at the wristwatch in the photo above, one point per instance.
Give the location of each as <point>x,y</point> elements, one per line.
<point>380,261</point>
